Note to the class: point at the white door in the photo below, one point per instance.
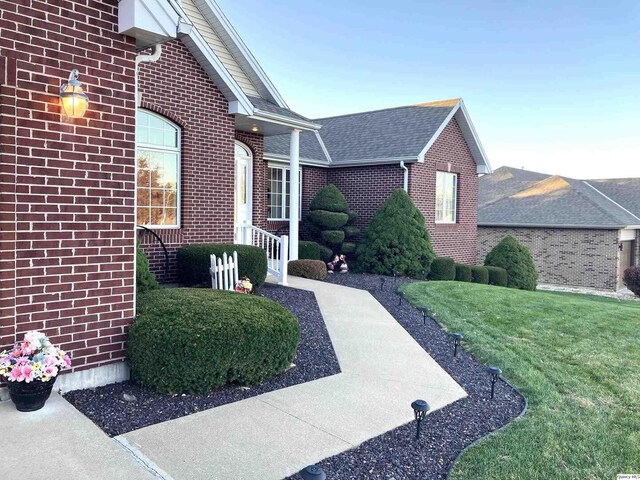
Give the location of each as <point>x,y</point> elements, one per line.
<point>243,189</point>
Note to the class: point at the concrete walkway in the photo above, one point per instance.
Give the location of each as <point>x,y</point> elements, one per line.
<point>276,434</point>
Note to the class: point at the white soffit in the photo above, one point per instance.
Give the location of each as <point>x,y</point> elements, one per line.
<point>148,21</point>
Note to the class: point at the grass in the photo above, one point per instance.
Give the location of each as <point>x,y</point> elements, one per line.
<point>577,360</point>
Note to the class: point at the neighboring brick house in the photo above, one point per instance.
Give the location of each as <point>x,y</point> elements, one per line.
<point>174,140</point>
<point>581,233</point>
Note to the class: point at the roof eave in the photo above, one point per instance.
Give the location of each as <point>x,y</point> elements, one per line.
<point>311,162</point>
<point>283,120</point>
<point>547,225</point>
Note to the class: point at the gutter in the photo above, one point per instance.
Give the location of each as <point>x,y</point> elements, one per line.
<point>406,176</point>
<point>533,225</point>
<point>281,119</point>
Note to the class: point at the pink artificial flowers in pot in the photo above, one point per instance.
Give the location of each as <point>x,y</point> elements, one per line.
<point>30,369</point>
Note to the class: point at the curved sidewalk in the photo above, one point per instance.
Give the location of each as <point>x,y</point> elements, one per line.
<point>276,434</point>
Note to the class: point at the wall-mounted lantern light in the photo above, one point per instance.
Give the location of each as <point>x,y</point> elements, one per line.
<point>73,100</point>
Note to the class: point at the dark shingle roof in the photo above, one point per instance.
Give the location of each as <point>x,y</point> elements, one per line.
<point>310,148</point>
<point>625,191</point>
<point>376,136</point>
<point>267,106</point>
<point>516,198</point>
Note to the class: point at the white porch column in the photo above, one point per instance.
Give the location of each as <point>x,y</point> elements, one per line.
<point>294,209</point>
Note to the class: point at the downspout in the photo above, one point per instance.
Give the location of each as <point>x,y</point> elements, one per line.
<point>155,56</point>
<point>406,176</point>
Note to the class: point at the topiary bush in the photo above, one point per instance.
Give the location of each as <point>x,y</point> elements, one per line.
<point>330,221</point>
<point>479,274</point>
<point>313,269</point>
<point>348,248</point>
<point>145,279</point>
<point>498,276</point>
<point>516,259</point>
<point>631,279</point>
<point>443,268</point>
<point>396,240</point>
<point>309,250</point>
<point>463,272</point>
<point>325,253</point>
<point>194,262</point>
<point>195,340</point>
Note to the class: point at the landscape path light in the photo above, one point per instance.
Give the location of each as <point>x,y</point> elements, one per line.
<point>313,472</point>
<point>494,373</point>
<point>457,338</point>
<point>401,295</point>
<point>420,409</point>
<point>425,312</point>
<point>73,100</point>
<point>382,280</point>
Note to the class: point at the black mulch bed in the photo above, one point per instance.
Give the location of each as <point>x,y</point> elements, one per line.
<point>446,432</point>
<point>314,359</point>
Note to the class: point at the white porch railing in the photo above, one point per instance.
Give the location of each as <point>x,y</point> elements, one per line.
<point>277,249</point>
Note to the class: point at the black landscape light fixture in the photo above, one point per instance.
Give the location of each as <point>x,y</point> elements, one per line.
<point>457,338</point>
<point>420,409</point>
<point>382,280</point>
<point>313,472</point>
<point>401,295</point>
<point>494,373</point>
<point>425,312</point>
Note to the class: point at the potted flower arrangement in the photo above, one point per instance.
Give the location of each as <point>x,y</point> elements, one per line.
<point>30,369</point>
<point>244,285</point>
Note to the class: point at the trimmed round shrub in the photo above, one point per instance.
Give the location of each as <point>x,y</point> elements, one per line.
<point>498,276</point>
<point>329,198</point>
<point>195,340</point>
<point>479,274</point>
<point>309,250</point>
<point>325,253</point>
<point>348,248</point>
<point>313,269</point>
<point>351,231</point>
<point>443,268</point>
<point>631,279</point>
<point>463,272</point>
<point>333,237</point>
<point>145,279</point>
<point>516,259</point>
<point>328,220</point>
<point>194,262</point>
<point>353,216</point>
<point>396,240</point>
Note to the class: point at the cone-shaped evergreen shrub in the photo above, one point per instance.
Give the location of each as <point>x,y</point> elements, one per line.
<point>145,279</point>
<point>330,198</point>
<point>516,259</point>
<point>396,240</point>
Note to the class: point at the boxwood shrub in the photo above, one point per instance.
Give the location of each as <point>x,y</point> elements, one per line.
<point>332,236</point>
<point>195,340</point>
<point>325,253</point>
<point>309,250</point>
<point>463,272</point>
<point>479,274</point>
<point>498,276</point>
<point>145,279</point>
<point>443,268</point>
<point>348,248</point>
<point>328,220</point>
<point>516,259</point>
<point>194,262</point>
<point>351,231</point>
<point>313,269</point>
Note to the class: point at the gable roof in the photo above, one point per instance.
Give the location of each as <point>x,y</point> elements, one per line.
<point>624,191</point>
<point>382,136</point>
<point>522,198</point>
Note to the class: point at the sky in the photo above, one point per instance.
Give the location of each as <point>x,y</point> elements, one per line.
<point>551,86</point>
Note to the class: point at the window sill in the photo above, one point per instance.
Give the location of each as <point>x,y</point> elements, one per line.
<point>159,227</point>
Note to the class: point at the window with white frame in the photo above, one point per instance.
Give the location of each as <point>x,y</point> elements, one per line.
<point>280,193</point>
<point>446,197</point>
<point>158,172</point>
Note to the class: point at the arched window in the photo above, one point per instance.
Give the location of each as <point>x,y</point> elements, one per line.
<point>158,179</point>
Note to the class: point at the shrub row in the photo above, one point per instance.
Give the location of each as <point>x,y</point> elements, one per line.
<point>445,268</point>
<point>195,340</point>
<point>194,261</point>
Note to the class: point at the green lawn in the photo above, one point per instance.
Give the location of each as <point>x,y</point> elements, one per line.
<point>577,360</point>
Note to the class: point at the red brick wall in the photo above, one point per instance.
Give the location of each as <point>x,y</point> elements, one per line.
<point>449,153</point>
<point>366,188</point>
<point>66,186</point>
<point>178,88</point>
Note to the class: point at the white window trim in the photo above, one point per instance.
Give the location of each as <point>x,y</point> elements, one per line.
<point>283,168</point>
<point>178,150</point>
<point>455,201</point>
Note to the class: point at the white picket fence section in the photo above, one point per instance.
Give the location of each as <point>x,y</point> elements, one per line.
<point>224,271</point>
<point>277,249</point>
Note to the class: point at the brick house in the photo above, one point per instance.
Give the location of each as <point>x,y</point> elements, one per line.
<point>187,136</point>
<point>581,233</point>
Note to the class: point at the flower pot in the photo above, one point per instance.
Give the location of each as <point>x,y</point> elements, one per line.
<point>29,397</point>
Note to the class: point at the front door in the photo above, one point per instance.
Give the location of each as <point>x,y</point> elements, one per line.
<point>243,189</point>
<point>626,259</point>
